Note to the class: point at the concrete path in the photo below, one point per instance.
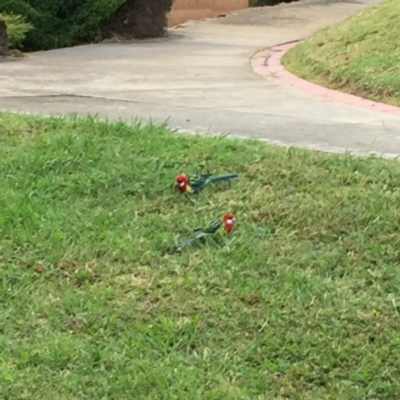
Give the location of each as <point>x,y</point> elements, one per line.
<point>200,78</point>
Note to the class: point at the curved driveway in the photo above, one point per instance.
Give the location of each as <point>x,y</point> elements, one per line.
<point>200,78</point>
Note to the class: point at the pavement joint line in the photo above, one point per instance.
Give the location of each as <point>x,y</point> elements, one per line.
<point>235,109</point>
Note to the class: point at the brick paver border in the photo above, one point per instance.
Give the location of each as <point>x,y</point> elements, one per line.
<point>268,63</point>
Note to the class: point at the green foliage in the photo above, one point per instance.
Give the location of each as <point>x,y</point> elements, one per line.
<point>17,28</point>
<point>301,303</point>
<point>60,23</point>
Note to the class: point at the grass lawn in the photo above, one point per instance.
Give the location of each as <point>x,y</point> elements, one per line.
<point>360,55</point>
<point>302,302</point>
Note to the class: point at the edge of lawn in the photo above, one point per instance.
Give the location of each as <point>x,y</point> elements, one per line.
<point>356,56</point>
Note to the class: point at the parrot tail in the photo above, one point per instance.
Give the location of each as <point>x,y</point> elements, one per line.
<point>225,177</point>
<point>187,242</point>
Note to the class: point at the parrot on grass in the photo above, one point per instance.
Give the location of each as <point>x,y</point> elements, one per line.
<point>224,225</point>
<point>193,183</point>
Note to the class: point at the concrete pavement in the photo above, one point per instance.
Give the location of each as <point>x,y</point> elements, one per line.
<point>200,78</point>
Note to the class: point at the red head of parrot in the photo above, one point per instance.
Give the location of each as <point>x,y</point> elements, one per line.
<point>182,182</point>
<point>229,222</point>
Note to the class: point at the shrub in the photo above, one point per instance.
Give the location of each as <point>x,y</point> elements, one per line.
<point>62,23</point>
<point>17,28</point>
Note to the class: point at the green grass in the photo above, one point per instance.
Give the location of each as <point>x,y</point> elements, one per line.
<point>302,302</point>
<point>360,55</point>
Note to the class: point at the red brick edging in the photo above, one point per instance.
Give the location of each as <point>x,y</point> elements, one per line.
<point>268,63</point>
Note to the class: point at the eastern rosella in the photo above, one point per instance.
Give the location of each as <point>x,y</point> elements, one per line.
<point>194,182</point>
<point>227,223</point>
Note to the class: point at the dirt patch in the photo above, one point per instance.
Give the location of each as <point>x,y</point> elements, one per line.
<point>138,19</point>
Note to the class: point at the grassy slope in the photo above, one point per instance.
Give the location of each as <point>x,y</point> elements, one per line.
<point>302,303</point>
<point>360,55</point>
